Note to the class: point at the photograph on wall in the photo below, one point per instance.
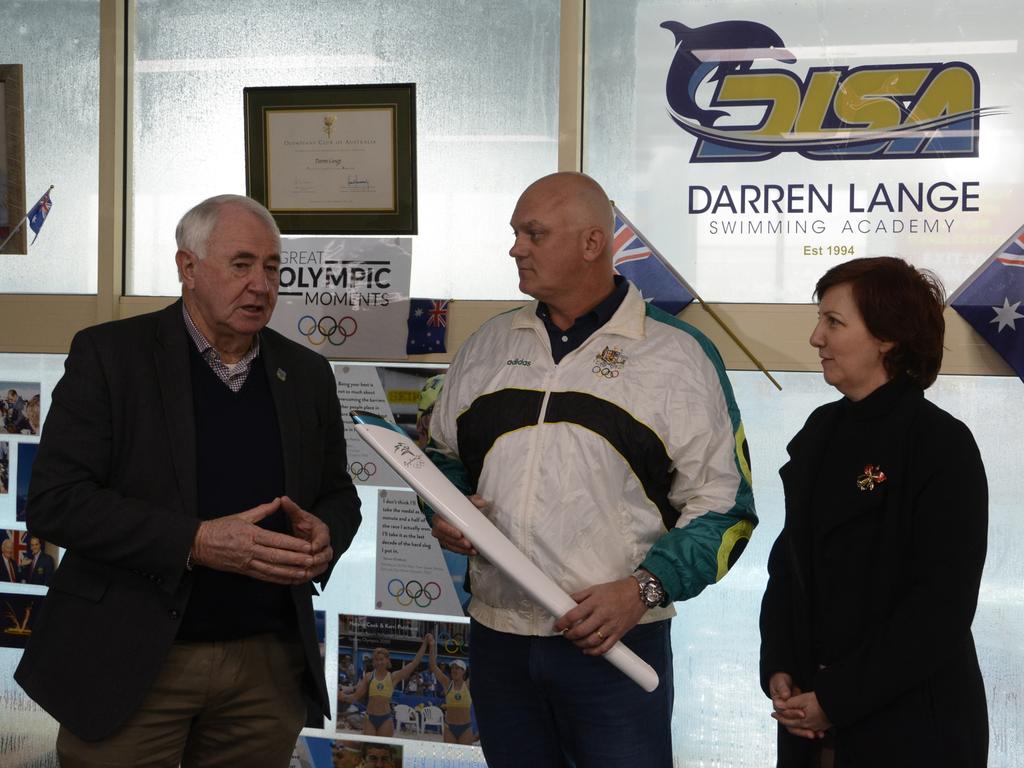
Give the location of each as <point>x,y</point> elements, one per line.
<point>411,394</point>
<point>26,458</point>
<point>17,614</point>
<point>405,678</point>
<point>26,559</point>
<point>414,573</point>
<point>346,298</point>
<point>5,465</point>
<point>314,752</point>
<point>20,407</point>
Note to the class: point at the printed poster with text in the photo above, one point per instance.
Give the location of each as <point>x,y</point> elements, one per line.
<point>360,389</point>
<point>412,572</point>
<point>763,144</point>
<point>345,297</point>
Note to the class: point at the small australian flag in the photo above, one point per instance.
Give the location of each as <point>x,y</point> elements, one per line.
<point>38,214</point>
<point>990,300</point>
<point>428,322</point>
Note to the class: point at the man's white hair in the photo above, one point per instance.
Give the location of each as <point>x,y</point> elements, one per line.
<point>196,226</point>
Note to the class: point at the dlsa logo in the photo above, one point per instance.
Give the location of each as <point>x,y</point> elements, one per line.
<point>870,112</point>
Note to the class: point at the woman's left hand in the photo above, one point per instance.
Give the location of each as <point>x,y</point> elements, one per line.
<point>803,716</point>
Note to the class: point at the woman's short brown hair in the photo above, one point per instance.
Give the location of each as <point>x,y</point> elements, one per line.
<point>900,304</point>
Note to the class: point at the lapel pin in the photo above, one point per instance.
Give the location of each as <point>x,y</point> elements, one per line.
<point>281,374</point>
<point>872,476</point>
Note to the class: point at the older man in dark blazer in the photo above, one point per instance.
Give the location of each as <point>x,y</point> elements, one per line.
<point>193,466</point>
<point>10,571</point>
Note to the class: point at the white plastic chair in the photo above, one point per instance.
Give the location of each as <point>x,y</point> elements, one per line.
<point>433,717</point>
<point>406,716</point>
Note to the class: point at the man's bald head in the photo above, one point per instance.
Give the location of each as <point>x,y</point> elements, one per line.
<point>579,198</point>
<point>563,244</point>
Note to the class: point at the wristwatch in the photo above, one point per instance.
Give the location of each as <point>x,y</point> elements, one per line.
<point>652,594</point>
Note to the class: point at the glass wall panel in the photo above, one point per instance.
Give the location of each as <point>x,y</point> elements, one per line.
<point>58,45</point>
<point>731,151</point>
<point>720,716</point>
<point>486,77</point>
<point>28,733</point>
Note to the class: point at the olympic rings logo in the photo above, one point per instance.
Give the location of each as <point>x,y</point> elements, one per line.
<point>328,328</point>
<point>608,373</point>
<point>407,593</point>
<point>453,645</point>
<point>362,472</point>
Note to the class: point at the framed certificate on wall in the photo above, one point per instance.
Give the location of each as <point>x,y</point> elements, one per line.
<point>333,159</point>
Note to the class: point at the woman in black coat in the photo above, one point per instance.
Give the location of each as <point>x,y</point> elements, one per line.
<point>866,645</point>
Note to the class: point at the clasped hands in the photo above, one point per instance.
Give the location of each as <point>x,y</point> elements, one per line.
<point>603,614</point>
<point>236,544</point>
<point>800,713</point>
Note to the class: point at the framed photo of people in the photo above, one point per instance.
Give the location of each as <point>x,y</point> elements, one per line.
<point>26,559</point>
<point>313,752</point>
<point>12,159</point>
<point>333,159</point>
<point>405,679</point>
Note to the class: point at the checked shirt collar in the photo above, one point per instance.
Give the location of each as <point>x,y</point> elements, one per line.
<point>233,376</point>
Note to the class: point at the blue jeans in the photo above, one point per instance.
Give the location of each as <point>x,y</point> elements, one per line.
<point>541,703</point>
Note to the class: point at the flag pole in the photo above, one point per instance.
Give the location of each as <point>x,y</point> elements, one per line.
<point>704,304</point>
<point>24,218</point>
<point>13,232</point>
<point>734,337</point>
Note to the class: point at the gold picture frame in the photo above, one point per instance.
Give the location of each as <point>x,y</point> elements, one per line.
<point>12,159</point>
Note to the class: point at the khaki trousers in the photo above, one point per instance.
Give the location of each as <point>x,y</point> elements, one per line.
<point>213,705</point>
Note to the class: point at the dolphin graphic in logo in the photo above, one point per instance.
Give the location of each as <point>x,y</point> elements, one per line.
<point>725,46</point>
<point>820,113</point>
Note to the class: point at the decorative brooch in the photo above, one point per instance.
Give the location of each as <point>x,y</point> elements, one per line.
<point>872,476</point>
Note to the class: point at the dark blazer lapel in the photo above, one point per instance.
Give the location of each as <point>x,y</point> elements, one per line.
<point>806,451</point>
<point>798,476</point>
<point>175,382</point>
<point>282,387</point>
<point>283,377</point>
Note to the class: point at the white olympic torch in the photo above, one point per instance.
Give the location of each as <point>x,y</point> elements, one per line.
<point>406,458</point>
